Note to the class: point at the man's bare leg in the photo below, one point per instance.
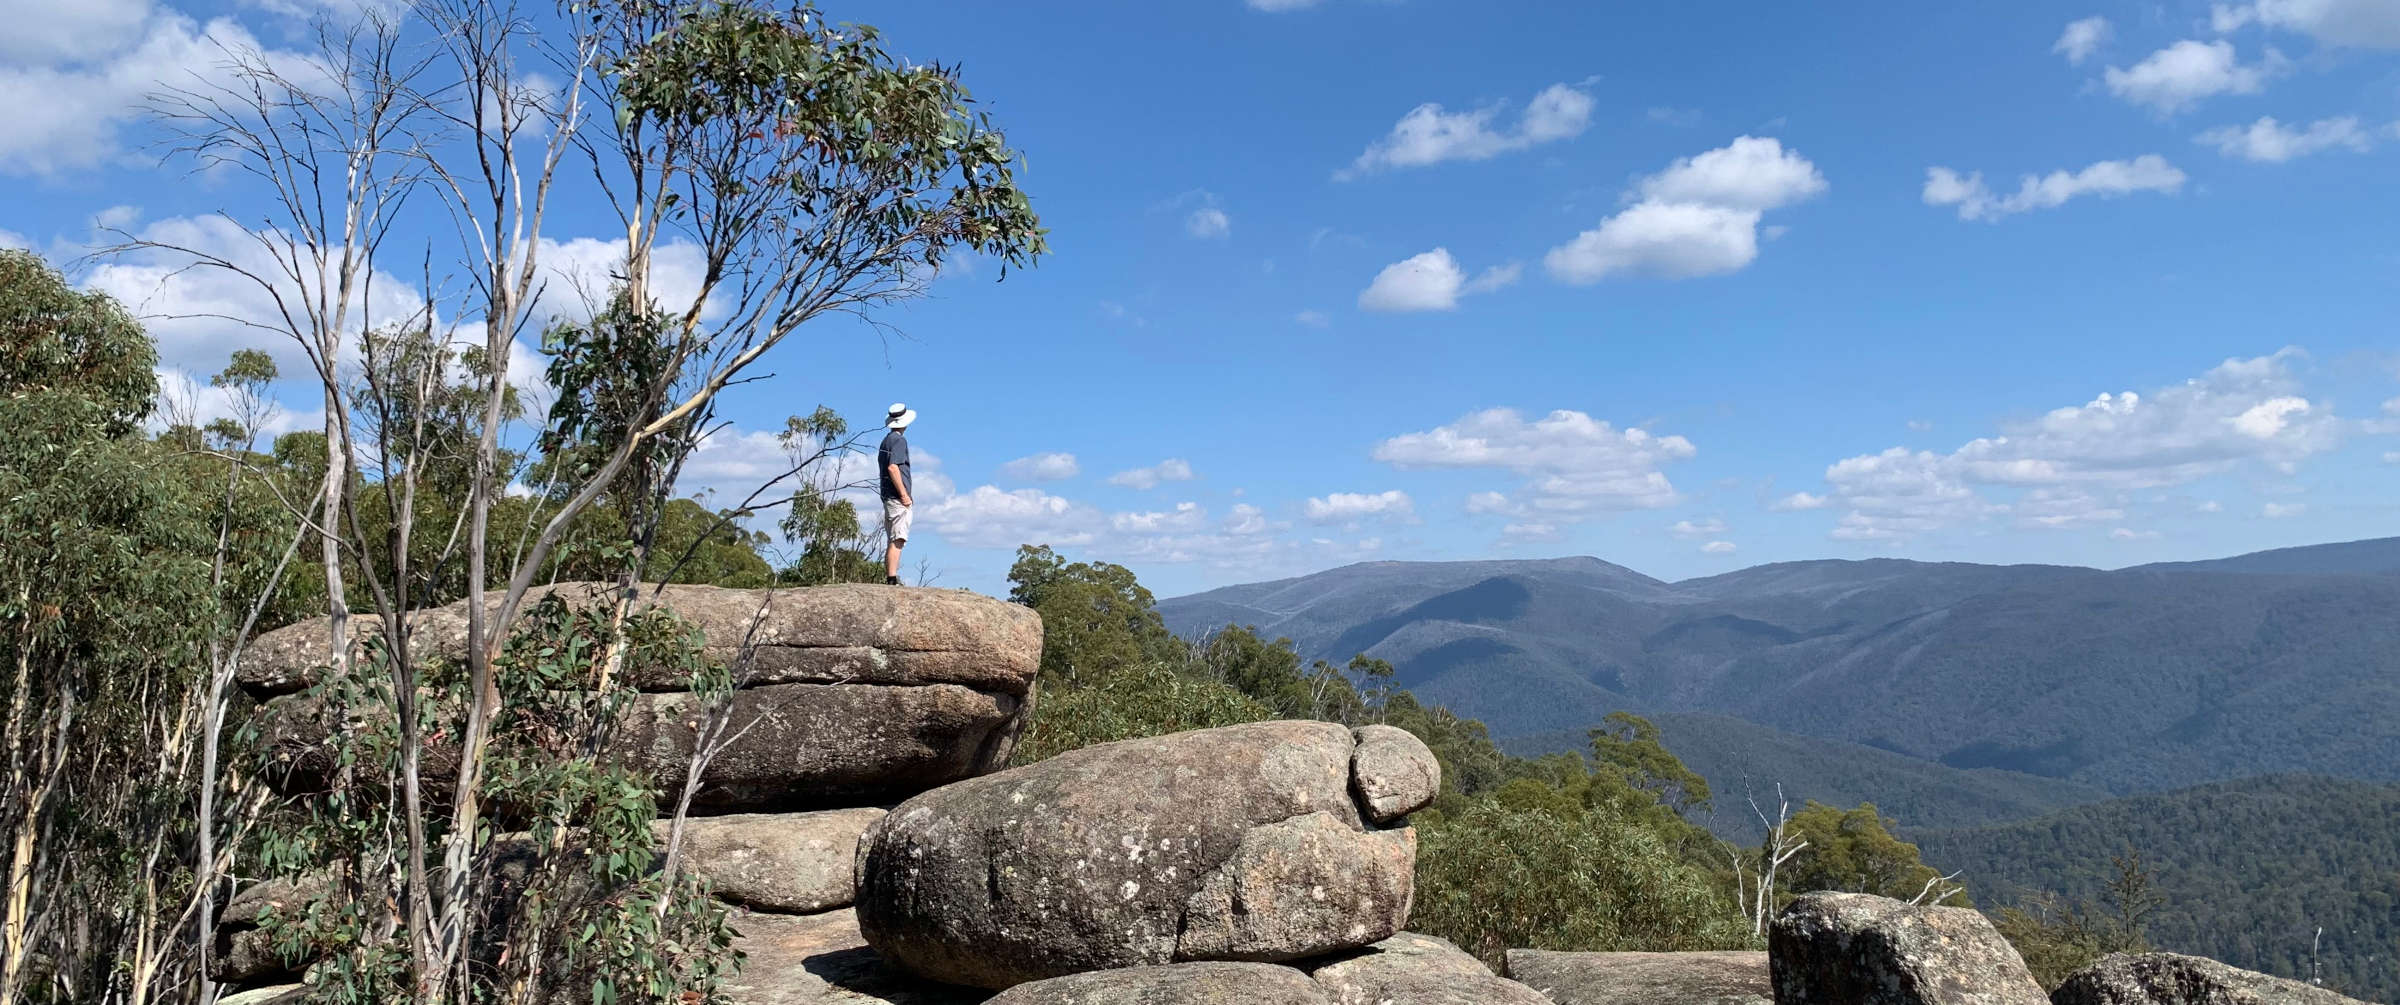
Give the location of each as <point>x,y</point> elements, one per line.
<point>891,561</point>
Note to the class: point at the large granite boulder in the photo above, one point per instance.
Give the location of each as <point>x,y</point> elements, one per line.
<point>1177,984</point>
<point>2169,979</point>
<point>819,959</point>
<point>1857,949</point>
<point>786,746</point>
<point>1726,978</point>
<point>241,951</point>
<point>1413,969</point>
<point>850,634</point>
<point>1238,843</point>
<point>787,863</point>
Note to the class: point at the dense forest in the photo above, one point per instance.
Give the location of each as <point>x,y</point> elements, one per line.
<point>2247,872</point>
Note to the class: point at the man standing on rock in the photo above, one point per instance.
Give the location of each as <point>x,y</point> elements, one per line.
<point>899,502</point>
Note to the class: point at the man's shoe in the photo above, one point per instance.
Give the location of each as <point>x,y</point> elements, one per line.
<point>891,580</point>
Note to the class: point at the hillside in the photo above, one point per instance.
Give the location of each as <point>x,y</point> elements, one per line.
<point>2135,680</point>
<point>1740,758</point>
<point>2249,869</point>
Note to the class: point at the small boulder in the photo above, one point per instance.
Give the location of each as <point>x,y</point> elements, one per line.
<point>280,994</point>
<point>1176,984</point>
<point>1725,978</point>
<point>1394,773</point>
<point>1857,949</point>
<point>1239,843</point>
<point>242,951</point>
<point>787,863</point>
<point>2169,979</point>
<point>1413,969</point>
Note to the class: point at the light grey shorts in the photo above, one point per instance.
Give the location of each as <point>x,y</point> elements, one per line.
<point>896,519</point>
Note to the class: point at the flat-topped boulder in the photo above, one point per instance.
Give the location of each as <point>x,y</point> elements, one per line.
<point>846,634</point>
<point>1705,978</point>
<point>1241,843</point>
<point>819,959</point>
<point>1177,984</point>
<point>1418,970</point>
<point>2169,979</point>
<point>783,863</point>
<point>1857,949</point>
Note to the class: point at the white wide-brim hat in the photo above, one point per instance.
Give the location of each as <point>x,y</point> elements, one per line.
<point>899,417</point>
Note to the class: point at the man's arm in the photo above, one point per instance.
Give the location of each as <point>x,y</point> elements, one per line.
<point>899,483</point>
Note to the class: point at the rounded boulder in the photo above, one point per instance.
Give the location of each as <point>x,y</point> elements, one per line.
<point>1242,843</point>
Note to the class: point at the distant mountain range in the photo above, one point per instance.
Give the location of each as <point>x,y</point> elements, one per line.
<point>2127,681</point>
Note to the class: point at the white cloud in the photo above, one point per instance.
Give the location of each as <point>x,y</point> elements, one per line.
<point>2373,24</point>
<point>1699,217</point>
<point>2391,457</point>
<point>1313,318</point>
<point>1046,467</point>
<point>1352,507</point>
<point>1800,501</point>
<point>2073,466</point>
<point>2082,38</point>
<point>2181,75</point>
<point>2210,506</point>
<point>1173,469</point>
<point>2106,179</point>
<point>2278,511</point>
<point>1718,548</point>
<point>1573,465</point>
<point>2129,534</point>
<point>1185,518</point>
<point>1208,222</point>
<point>14,241</point>
<point>1431,281</point>
<point>1278,6</point>
<point>2273,142</point>
<point>1710,527</point>
<point>1752,172</point>
<point>44,32</point>
<point>578,274</point>
<point>1429,134</point>
<point>989,517</point>
<point>67,114</point>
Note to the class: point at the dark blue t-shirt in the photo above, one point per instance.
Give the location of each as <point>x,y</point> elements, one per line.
<point>894,453</point>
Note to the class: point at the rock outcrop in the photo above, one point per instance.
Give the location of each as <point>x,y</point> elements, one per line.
<point>1724,978</point>
<point>2169,979</point>
<point>1393,773</point>
<point>848,695</point>
<point>1242,843</point>
<point>849,698</point>
<point>1418,970</point>
<point>1856,949</point>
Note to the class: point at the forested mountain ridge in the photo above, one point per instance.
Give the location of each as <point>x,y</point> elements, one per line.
<point>2133,680</point>
<point>2248,871</point>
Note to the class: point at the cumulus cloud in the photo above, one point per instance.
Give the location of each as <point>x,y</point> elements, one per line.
<point>2279,511</point>
<point>1173,469</point>
<point>1800,501</point>
<point>1046,467</point>
<point>1208,222</point>
<point>1571,465</point>
<point>2129,534</point>
<point>1430,134</point>
<point>2372,24</point>
<point>1431,281</point>
<point>44,33</point>
<point>1699,217</point>
<point>1717,548</point>
<point>2106,179</point>
<point>2074,466</point>
<point>2082,38</point>
<point>2181,75</point>
<point>1353,507</point>
<point>1313,318</point>
<point>2273,142</point>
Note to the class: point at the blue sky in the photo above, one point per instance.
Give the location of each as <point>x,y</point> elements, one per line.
<point>1687,287</point>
